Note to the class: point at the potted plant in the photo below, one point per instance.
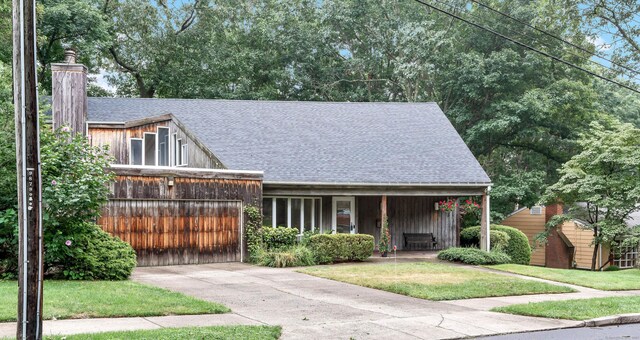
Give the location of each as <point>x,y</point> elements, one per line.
<point>385,239</point>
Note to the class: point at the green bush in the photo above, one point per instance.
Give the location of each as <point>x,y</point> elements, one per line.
<point>612,268</point>
<point>341,247</point>
<point>517,248</point>
<point>92,255</point>
<point>280,237</point>
<point>470,237</point>
<point>473,256</point>
<point>294,256</point>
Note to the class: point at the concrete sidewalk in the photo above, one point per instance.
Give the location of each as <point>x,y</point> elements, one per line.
<point>77,326</point>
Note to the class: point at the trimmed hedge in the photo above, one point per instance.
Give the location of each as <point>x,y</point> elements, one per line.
<point>280,237</point>
<point>341,247</point>
<point>517,248</point>
<point>473,256</point>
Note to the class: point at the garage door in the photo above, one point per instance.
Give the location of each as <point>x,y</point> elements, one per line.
<point>167,232</point>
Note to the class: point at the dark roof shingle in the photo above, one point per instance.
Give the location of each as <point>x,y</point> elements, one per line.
<point>319,142</point>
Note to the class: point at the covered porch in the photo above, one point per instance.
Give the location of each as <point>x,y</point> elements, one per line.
<point>410,209</point>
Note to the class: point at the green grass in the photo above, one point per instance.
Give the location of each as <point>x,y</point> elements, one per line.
<point>91,299</point>
<point>433,281</point>
<point>215,332</point>
<point>581,309</point>
<point>613,280</point>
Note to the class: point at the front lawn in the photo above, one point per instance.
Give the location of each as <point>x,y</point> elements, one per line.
<point>433,281</point>
<point>613,280</point>
<point>214,332</point>
<point>92,299</point>
<point>581,309</point>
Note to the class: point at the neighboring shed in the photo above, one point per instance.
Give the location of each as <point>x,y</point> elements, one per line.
<point>531,223</point>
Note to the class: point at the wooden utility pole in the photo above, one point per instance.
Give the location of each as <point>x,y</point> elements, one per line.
<point>25,99</point>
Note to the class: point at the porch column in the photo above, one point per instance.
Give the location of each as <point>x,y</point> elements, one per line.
<point>485,221</point>
<point>383,209</point>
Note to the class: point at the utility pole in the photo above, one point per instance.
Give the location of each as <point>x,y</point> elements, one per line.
<point>25,99</point>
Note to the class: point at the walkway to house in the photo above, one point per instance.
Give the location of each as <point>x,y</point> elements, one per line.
<point>310,307</point>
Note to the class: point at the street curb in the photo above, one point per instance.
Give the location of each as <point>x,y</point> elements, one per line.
<point>611,320</point>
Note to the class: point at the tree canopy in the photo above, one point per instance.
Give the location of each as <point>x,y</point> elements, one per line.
<point>520,113</point>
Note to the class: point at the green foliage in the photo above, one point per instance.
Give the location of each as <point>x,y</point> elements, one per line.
<point>517,248</point>
<point>612,268</point>
<point>91,254</point>
<point>384,244</point>
<point>279,237</point>
<point>8,193</point>
<point>341,247</point>
<point>292,256</point>
<point>604,177</point>
<point>252,232</point>
<point>473,256</point>
<point>8,244</point>
<point>75,186</point>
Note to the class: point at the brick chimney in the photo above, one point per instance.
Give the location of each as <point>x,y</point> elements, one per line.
<point>559,249</point>
<point>69,94</point>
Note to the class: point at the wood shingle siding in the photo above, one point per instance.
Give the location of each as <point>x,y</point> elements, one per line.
<point>582,239</point>
<point>199,219</point>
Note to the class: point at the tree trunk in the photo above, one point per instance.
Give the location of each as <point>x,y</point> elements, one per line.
<point>595,249</point>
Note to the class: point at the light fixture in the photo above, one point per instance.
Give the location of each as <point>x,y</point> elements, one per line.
<point>170,181</point>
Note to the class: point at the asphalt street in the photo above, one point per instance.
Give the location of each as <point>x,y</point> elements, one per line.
<point>626,332</point>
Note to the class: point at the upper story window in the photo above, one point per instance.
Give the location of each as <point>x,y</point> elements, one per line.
<point>158,149</point>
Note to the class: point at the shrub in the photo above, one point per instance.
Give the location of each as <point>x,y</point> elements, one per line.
<point>91,255</point>
<point>341,247</point>
<point>280,237</point>
<point>470,237</point>
<point>384,244</point>
<point>612,268</point>
<point>517,247</point>
<point>253,225</point>
<point>293,256</point>
<point>473,256</point>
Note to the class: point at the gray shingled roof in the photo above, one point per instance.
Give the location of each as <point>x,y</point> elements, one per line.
<point>317,142</point>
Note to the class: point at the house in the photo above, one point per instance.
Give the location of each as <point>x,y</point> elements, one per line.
<point>571,244</point>
<point>187,168</point>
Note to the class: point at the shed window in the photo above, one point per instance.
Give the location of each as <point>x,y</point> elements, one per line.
<point>536,210</point>
<point>135,151</point>
<point>149,148</point>
<point>625,257</point>
<point>163,146</point>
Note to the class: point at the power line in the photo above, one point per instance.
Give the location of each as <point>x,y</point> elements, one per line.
<point>554,36</point>
<point>524,35</point>
<point>526,46</point>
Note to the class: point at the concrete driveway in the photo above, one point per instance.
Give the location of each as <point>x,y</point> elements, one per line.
<point>314,308</point>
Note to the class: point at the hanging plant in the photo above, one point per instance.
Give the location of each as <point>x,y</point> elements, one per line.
<point>447,205</point>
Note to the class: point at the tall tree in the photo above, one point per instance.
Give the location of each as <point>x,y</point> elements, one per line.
<point>604,176</point>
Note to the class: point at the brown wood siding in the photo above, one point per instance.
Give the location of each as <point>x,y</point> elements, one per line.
<point>417,214</point>
<point>530,225</point>
<point>197,220</point>
<point>369,216</point>
<point>177,232</point>
<point>582,241</point>
<point>118,139</point>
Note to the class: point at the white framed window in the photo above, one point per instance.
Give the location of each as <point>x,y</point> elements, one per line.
<point>625,257</point>
<point>135,151</point>
<point>150,149</point>
<point>174,143</point>
<point>178,152</point>
<point>185,154</point>
<point>536,210</point>
<point>299,212</point>
<point>163,146</point>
